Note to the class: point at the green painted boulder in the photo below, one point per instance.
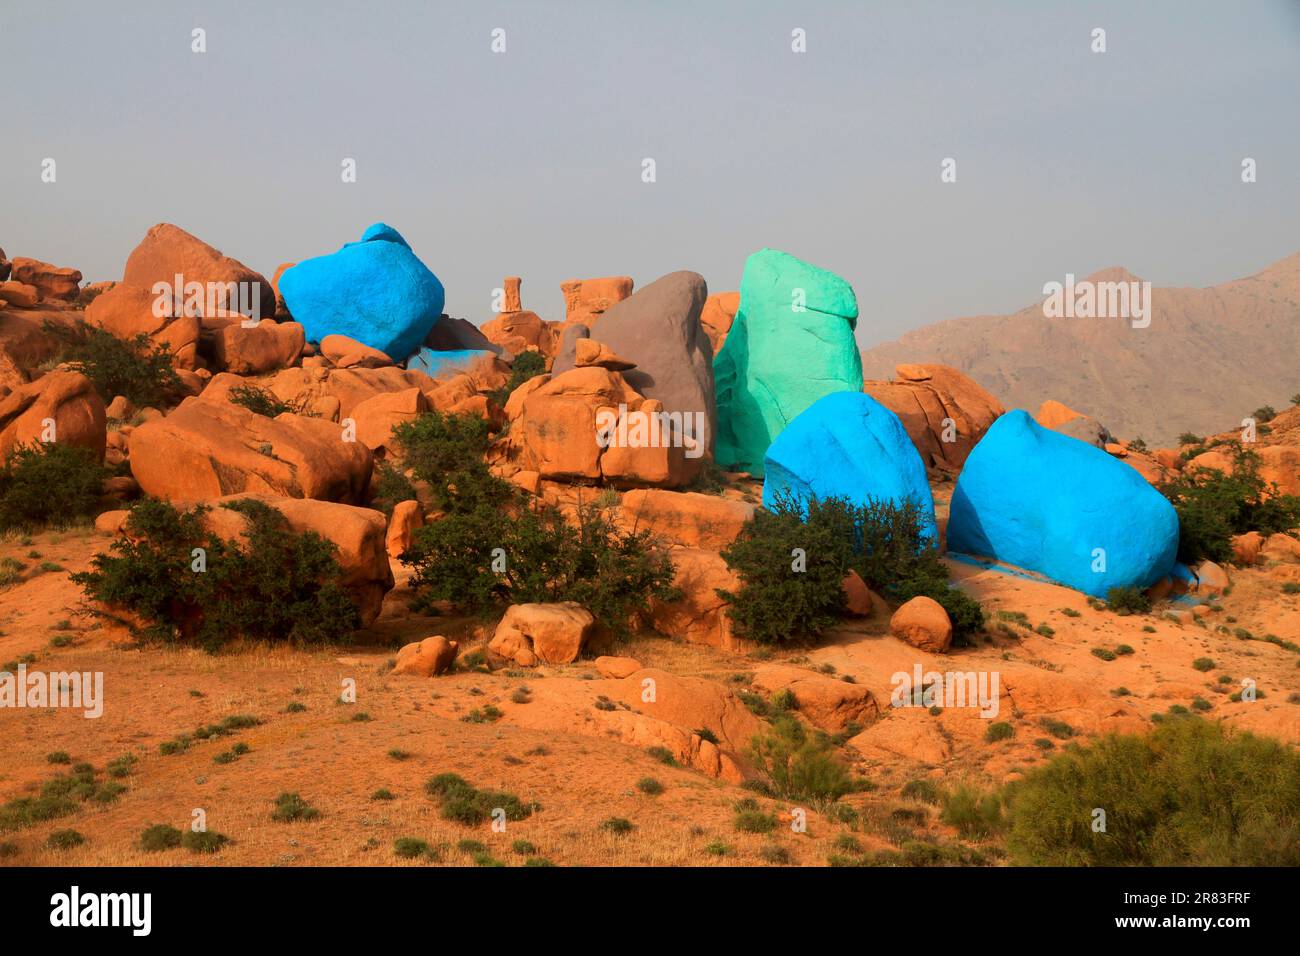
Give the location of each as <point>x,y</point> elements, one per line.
<point>791,343</point>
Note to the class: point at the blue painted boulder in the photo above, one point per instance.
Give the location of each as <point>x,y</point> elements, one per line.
<point>435,363</point>
<point>847,445</point>
<point>1046,502</point>
<point>375,291</point>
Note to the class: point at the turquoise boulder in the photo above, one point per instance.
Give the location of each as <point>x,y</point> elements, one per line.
<point>848,445</point>
<point>375,291</point>
<point>434,363</point>
<point>790,344</point>
<point>1049,503</point>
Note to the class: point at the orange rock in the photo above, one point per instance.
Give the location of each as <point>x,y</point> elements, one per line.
<point>1246,547</point>
<point>693,703</point>
<point>1116,449</point>
<point>357,534</point>
<point>617,667</point>
<point>586,299</point>
<point>699,616</point>
<point>1281,547</point>
<point>945,412</point>
<point>427,658</point>
<point>555,428</point>
<point>510,301</point>
<point>167,251</point>
<point>589,352</point>
<point>1210,578</point>
<point>550,633</point>
<point>1170,458</point>
<point>19,295</point>
<point>68,399</point>
<point>685,517</point>
<point>518,332</point>
<point>111,523</point>
<point>718,314</point>
<point>858,597</point>
<point>52,282</point>
<point>923,623</point>
<point>206,449</point>
<point>375,417</point>
<point>826,702</point>
<point>264,347</point>
<point>129,311</point>
<point>407,516</point>
<point>349,353</point>
<point>1280,465</point>
<point>1052,414</point>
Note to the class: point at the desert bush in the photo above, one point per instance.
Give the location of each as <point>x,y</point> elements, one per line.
<point>882,541</point>
<point>799,765</point>
<point>972,813</point>
<point>49,483</point>
<point>464,803</point>
<point>290,807</point>
<point>281,587</point>
<point>1213,506</point>
<point>613,573</point>
<point>1192,793</point>
<point>136,368</point>
<point>527,364</point>
<point>160,837</point>
<point>261,401</point>
<point>1127,600</point>
<point>203,841</point>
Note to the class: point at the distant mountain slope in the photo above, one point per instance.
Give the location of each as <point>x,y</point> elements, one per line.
<point>1209,356</point>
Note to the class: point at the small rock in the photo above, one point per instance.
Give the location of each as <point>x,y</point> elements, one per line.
<point>924,624</point>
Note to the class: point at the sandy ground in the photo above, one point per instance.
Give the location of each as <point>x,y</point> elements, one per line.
<point>553,749</point>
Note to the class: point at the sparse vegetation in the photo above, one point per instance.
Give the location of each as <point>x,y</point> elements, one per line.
<point>793,556</point>
<point>463,803</point>
<point>290,807</point>
<point>282,586</point>
<point>136,368</point>
<point>1192,793</point>
<point>1213,506</point>
<point>52,483</point>
<point>800,765</point>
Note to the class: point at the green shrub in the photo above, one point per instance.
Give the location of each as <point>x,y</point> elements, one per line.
<point>1127,600</point>
<point>160,837</point>
<point>527,364</point>
<point>408,848</point>
<point>1192,793</point>
<point>64,840</point>
<point>136,368</point>
<point>464,803</point>
<point>923,790</point>
<point>49,483</point>
<point>446,450</point>
<point>798,765</point>
<point>204,841</point>
<point>613,573</point>
<point>999,731</point>
<point>619,826</point>
<point>973,814</point>
<point>650,786</point>
<point>882,541</point>
<point>290,807</point>
<point>1213,507</point>
<point>281,586</point>
<point>261,401</point>
<point>663,755</point>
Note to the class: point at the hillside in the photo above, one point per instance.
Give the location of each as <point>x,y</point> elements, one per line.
<point>1185,372</point>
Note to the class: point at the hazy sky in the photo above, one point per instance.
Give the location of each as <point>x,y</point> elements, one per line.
<point>528,162</point>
